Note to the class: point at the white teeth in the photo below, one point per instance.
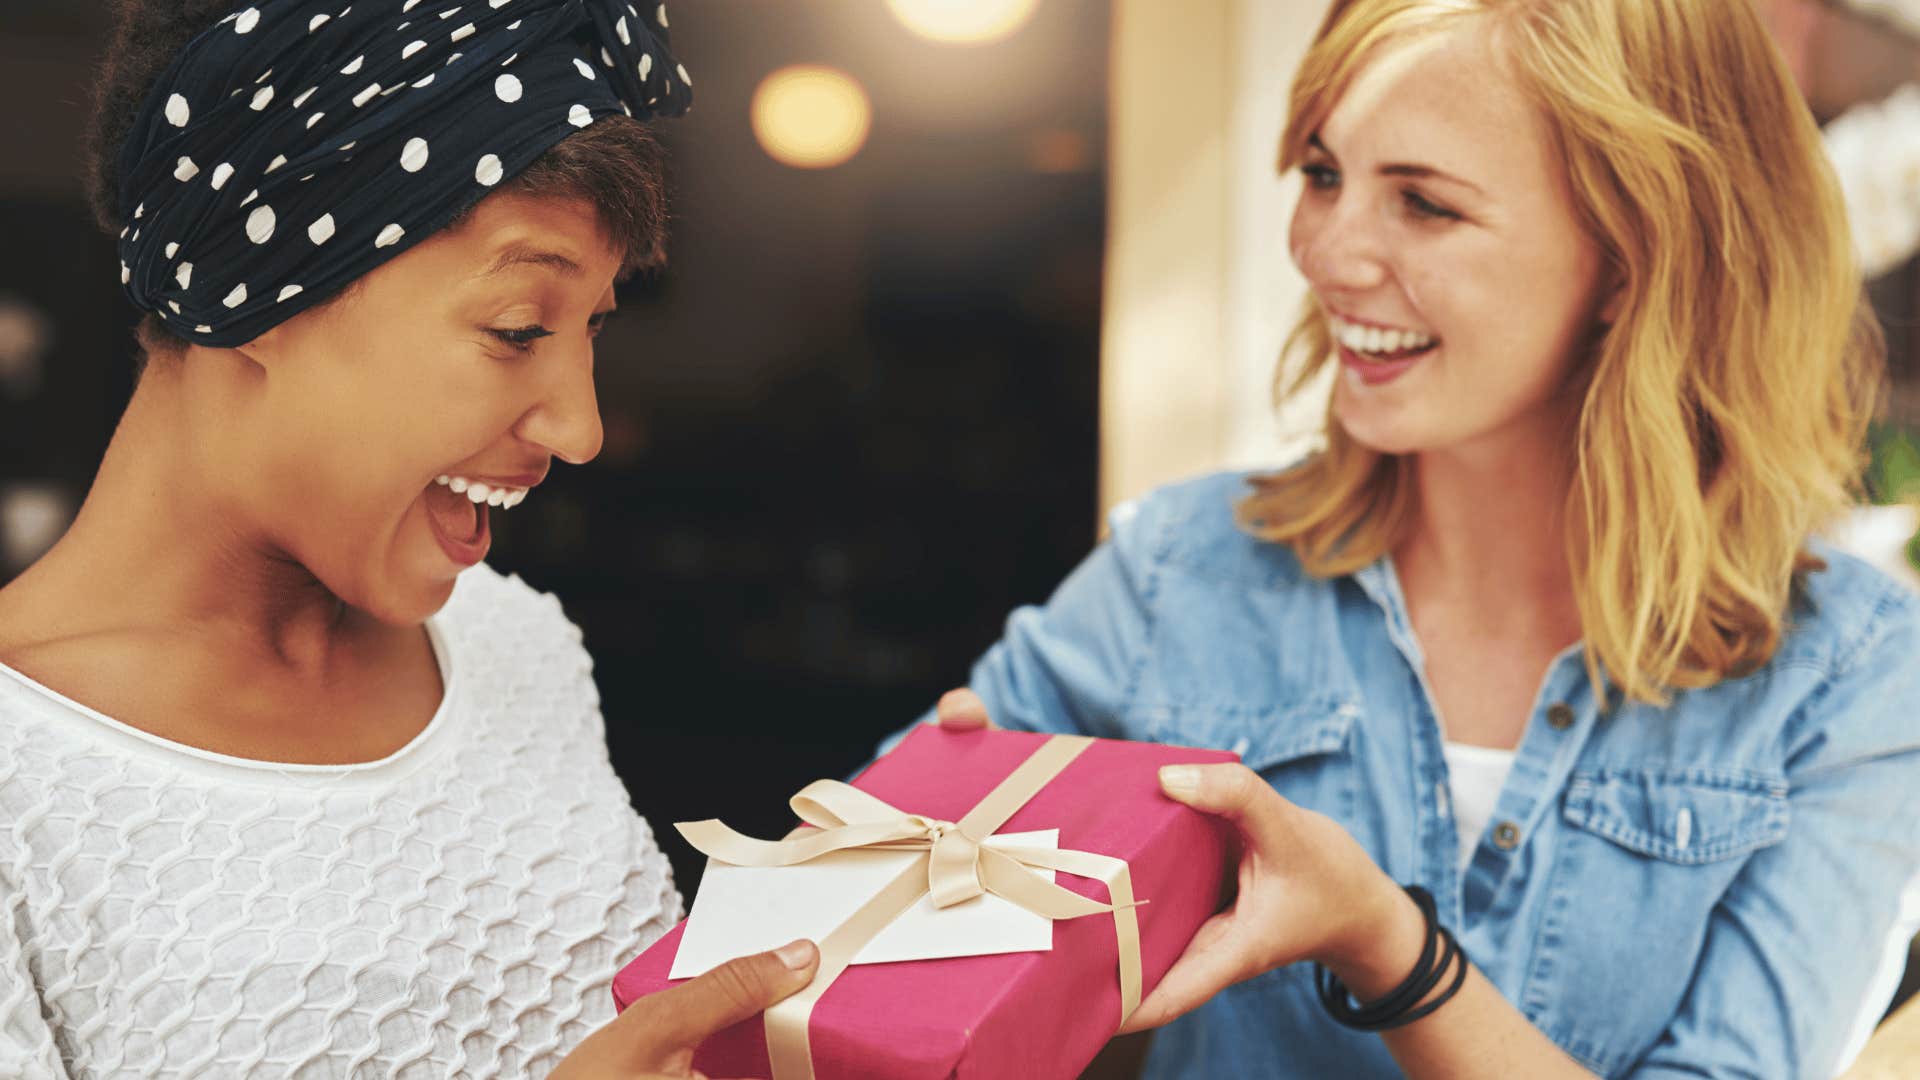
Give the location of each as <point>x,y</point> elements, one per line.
<point>506,498</point>
<point>1373,339</point>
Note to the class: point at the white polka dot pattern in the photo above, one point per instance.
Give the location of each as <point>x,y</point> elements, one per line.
<point>414,157</point>
<point>457,910</point>
<point>285,82</point>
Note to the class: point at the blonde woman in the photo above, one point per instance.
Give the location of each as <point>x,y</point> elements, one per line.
<point>1568,749</point>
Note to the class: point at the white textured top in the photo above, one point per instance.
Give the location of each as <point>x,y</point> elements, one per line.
<point>457,909</point>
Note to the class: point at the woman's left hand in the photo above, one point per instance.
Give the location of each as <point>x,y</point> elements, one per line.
<point>1307,891</point>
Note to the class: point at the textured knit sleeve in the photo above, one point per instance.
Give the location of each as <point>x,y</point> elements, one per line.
<point>26,1041</point>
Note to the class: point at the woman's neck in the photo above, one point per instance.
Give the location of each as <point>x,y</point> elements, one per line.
<point>162,544</point>
<point>1490,535</point>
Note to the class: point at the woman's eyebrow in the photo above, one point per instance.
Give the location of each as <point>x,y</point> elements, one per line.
<point>1403,168</point>
<point>526,254</point>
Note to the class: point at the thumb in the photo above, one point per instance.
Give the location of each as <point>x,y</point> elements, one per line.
<point>962,710</point>
<point>683,1017</point>
<point>1231,791</point>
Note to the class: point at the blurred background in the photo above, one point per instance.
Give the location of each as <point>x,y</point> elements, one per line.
<point>947,280</point>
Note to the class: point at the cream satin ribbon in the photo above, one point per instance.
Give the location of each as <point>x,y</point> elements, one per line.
<point>956,866</point>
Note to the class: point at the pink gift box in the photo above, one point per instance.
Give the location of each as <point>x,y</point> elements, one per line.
<point>1034,1015</point>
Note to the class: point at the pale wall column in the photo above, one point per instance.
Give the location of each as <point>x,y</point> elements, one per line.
<point>1199,288</point>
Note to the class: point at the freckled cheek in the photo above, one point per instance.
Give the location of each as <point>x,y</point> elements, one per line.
<point>1432,294</point>
<point>1301,232</point>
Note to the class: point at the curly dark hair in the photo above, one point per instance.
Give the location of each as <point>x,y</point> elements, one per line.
<point>614,163</point>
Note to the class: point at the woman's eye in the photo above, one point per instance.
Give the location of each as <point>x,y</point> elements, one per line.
<point>1320,176</point>
<point>1421,207</point>
<point>522,338</point>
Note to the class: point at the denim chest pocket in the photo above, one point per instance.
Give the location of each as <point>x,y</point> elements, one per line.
<point>1688,817</point>
<point>1642,860</point>
<point>1300,747</point>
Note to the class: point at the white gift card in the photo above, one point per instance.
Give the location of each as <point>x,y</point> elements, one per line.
<point>742,910</point>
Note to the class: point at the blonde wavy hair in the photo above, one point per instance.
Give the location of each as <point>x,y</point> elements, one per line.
<point>1725,408</point>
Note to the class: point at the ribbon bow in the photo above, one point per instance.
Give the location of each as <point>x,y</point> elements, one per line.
<point>962,860</point>
<point>960,865</point>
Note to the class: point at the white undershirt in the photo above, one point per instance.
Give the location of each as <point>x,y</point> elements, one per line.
<point>1475,775</point>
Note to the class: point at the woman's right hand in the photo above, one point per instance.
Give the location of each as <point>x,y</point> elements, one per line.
<point>656,1036</point>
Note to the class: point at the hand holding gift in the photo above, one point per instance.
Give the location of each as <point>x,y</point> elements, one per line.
<point>1307,891</point>
<point>656,1038</point>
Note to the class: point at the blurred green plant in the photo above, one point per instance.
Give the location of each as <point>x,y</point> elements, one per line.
<point>1893,473</point>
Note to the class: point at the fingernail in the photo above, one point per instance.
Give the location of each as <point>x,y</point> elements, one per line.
<point>1179,780</point>
<point>796,954</point>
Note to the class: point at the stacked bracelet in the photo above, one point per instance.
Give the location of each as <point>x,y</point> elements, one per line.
<point>1401,1005</point>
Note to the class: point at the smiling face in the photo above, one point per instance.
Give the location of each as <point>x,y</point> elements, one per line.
<point>1437,233</point>
<point>468,357</point>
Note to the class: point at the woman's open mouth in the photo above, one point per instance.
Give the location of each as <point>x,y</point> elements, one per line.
<point>457,509</point>
<point>1375,354</point>
<point>459,523</point>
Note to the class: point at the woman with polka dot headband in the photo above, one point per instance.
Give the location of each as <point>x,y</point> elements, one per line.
<point>290,783</point>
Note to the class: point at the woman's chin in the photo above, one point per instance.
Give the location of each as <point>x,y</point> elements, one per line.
<point>1377,433</point>
<point>410,601</point>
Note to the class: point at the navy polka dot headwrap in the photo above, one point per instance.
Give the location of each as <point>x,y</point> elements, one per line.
<point>297,144</point>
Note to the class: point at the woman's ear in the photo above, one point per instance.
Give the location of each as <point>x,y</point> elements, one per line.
<point>265,351</point>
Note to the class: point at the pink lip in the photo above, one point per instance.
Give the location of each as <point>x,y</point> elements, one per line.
<point>1357,321</point>
<point>1375,372</point>
<point>522,480</point>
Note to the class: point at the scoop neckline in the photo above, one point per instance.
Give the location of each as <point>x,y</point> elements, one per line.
<point>443,659</point>
<point>1482,753</point>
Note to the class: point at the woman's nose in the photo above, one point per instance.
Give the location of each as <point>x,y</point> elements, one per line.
<point>566,422</point>
<point>1341,249</point>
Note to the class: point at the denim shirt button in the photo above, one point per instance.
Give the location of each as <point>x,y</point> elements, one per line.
<point>1559,716</point>
<point>1506,835</point>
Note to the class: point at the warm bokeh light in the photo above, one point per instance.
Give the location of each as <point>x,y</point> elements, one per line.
<point>963,22</point>
<point>810,116</point>
<point>1058,151</point>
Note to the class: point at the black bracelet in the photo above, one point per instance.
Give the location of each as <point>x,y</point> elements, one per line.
<point>1401,1005</point>
<point>1426,972</point>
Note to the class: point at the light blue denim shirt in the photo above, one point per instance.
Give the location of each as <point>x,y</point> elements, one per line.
<point>1697,890</point>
